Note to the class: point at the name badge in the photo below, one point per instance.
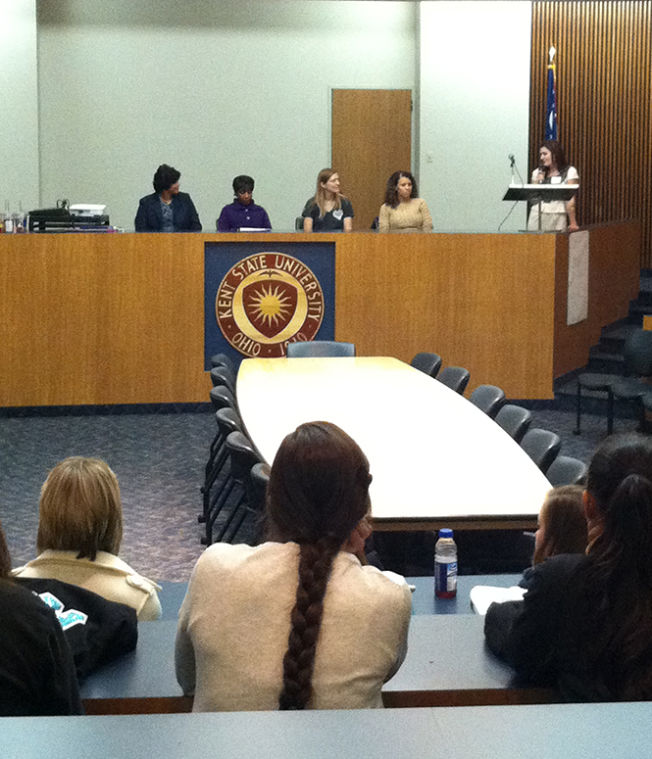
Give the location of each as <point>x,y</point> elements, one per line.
<point>338,213</point>
<point>555,180</point>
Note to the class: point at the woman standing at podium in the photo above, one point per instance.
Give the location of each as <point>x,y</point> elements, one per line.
<point>296,622</point>
<point>403,209</point>
<point>553,168</point>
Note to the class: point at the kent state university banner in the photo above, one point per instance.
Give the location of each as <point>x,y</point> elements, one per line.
<point>259,297</point>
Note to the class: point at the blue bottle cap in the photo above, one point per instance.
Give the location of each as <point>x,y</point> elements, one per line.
<point>445,532</point>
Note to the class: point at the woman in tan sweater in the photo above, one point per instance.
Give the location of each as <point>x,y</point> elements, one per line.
<point>296,622</point>
<point>403,210</point>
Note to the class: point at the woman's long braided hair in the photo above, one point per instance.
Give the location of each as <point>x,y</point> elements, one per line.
<point>318,492</point>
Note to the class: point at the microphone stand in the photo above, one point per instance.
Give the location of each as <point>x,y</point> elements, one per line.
<point>541,170</point>
<point>514,168</point>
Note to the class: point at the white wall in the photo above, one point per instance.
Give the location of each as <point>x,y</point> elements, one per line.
<point>19,174</point>
<point>215,89</point>
<point>473,110</point>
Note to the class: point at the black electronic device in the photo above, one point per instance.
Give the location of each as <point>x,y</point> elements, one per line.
<point>60,219</point>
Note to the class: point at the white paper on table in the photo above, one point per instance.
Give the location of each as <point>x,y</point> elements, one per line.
<point>482,596</point>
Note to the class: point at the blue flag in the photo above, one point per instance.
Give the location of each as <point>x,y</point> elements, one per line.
<point>551,109</point>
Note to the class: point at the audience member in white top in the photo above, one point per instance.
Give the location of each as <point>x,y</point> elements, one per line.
<point>296,622</point>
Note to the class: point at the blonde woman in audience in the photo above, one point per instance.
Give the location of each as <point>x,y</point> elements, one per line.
<point>79,536</point>
<point>328,210</point>
<point>403,209</point>
<point>296,622</point>
<point>584,625</point>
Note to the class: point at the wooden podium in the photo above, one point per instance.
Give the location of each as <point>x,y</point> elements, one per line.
<point>536,194</point>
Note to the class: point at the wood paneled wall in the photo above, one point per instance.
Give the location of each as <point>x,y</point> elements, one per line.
<point>485,302</point>
<point>604,104</point>
<point>106,319</point>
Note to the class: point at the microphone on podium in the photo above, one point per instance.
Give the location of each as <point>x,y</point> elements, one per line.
<point>514,168</point>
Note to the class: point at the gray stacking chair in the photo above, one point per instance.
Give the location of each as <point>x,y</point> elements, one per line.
<point>221,397</point>
<point>632,386</point>
<point>242,456</point>
<point>221,359</point>
<point>228,420</point>
<point>542,446</point>
<point>454,377</point>
<point>222,375</point>
<point>488,398</point>
<point>320,349</point>
<point>565,470</point>
<point>429,363</point>
<point>638,364</point>
<point>515,420</point>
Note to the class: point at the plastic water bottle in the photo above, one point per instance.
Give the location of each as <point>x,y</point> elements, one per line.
<point>445,565</point>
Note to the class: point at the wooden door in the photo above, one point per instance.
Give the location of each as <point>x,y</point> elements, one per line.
<point>371,139</point>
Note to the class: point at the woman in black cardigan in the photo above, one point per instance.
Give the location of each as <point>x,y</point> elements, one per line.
<point>585,624</point>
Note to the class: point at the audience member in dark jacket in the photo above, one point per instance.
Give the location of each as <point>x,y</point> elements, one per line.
<point>585,624</point>
<point>97,631</point>
<point>37,672</point>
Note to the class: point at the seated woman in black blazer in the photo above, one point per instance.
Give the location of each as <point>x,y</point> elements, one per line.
<point>167,209</point>
<point>585,624</point>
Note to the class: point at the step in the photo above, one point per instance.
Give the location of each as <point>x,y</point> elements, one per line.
<point>637,312</point>
<point>613,337</point>
<point>613,342</point>
<point>636,305</point>
<point>603,362</point>
<point>619,331</point>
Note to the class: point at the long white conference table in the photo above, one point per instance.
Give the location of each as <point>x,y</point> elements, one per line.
<point>436,459</point>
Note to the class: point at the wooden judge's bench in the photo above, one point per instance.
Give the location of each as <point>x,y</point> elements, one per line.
<point>119,318</point>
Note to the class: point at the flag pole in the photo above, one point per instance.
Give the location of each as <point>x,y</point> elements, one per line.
<point>551,125</point>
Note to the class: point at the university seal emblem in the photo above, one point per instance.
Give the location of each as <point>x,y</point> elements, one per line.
<point>266,301</point>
